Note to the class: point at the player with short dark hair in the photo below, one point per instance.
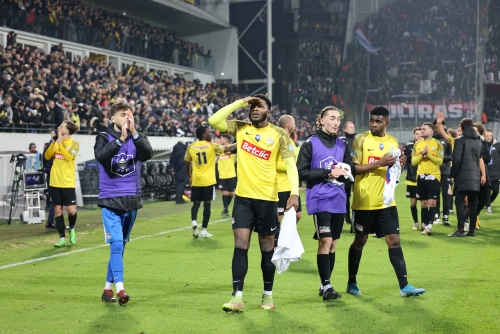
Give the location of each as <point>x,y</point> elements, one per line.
<point>63,150</point>
<point>320,163</point>
<point>201,156</point>
<point>411,177</point>
<point>260,144</point>
<point>428,155</point>
<point>371,156</point>
<point>227,174</point>
<point>120,151</point>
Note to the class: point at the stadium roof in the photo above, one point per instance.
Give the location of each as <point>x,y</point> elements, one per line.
<point>176,15</point>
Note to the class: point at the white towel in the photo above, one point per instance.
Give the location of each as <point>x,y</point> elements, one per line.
<point>289,245</point>
<point>392,179</point>
<point>345,167</point>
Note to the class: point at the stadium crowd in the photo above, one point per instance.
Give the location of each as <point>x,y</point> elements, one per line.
<point>422,40</point>
<point>75,22</point>
<point>39,90</point>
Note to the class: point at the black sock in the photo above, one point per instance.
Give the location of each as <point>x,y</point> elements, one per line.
<point>424,212</point>
<point>240,268</point>
<point>323,262</point>
<point>466,214</point>
<point>431,215</point>
<point>332,262</point>
<point>354,259</point>
<point>399,265</point>
<point>229,199</point>
<point>225,201</point>
<point>194,210</point>
<point>61,228</point>
<point>72,220</point>
<point>268,270</point>
<point>414,214</point>
<point>206,214</point>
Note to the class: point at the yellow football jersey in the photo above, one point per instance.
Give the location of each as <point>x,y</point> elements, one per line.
<point>258,152</point>
<point>62,173</point>
<point>283,182</point>
<point>225,166</point>
<point>369,187</point>
<point>202,155</point>
<point>426,166</point>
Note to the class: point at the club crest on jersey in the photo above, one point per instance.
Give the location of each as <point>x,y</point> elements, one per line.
<point>269,141</point>
<point>257,137</point>
<point>352,153</point>
<point>123,164</point>
<point>381,146</point>
<point>290,147</point>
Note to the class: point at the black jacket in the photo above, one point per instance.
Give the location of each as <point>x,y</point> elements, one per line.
<point>319,175</point>
<point>177,161</point>
<point>494,168</point>
<point>448,154</point>
<point>349,139</point>
<point>105,150</point>
<point>411,174</point>
<point>466,153</point>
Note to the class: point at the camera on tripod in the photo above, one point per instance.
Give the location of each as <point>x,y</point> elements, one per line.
<point>19,159</point>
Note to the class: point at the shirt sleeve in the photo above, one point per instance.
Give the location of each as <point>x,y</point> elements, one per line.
<point>357,150</point>
<point>287,149</point>
<point>187,157</point>
<point>440,152</point>
<point>219,149</point>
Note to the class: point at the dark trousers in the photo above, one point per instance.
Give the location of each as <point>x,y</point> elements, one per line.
<point>495,188</point>
<point>179,190</point>
<point>472,197</point>
<point>484,194</point>
<point>445,184</point>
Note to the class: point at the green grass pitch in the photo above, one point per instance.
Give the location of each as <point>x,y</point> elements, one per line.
<point>177,284</point>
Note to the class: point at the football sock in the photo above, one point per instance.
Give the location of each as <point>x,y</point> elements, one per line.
<point>72,221</point>
<point>269,293</point>
<point>194,210</point>
<point>431,215</point>
<point>119,286</point>
<point>229,199</point>
<point>268,270</point>
<point>414,214</point>
<point>424,213</point>
<point>399,265</point>
<point>116,260</point>
<point>239,268</point>
<point>332,262</point>
<point>61,228</point>
<point>354,260</point>
<point>206,215</point>
<point>225,201</point>
<point>108,286</point>
<point>323,262</point>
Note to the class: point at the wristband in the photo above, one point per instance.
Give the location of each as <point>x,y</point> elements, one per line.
<point>118,141</point>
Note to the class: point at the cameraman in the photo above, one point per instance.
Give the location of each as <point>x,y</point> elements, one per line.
<point>63,151</point>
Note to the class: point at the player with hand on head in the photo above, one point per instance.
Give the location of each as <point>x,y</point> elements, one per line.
<point>259,146</point>
<point>63,150</point>
<point>319,164</point>
<point>370,155</point>
<point>120,151</point>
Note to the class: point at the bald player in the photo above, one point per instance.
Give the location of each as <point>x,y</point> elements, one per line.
<point>287,123</point>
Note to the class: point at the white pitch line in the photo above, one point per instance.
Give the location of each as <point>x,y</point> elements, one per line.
<point>100,246</point>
